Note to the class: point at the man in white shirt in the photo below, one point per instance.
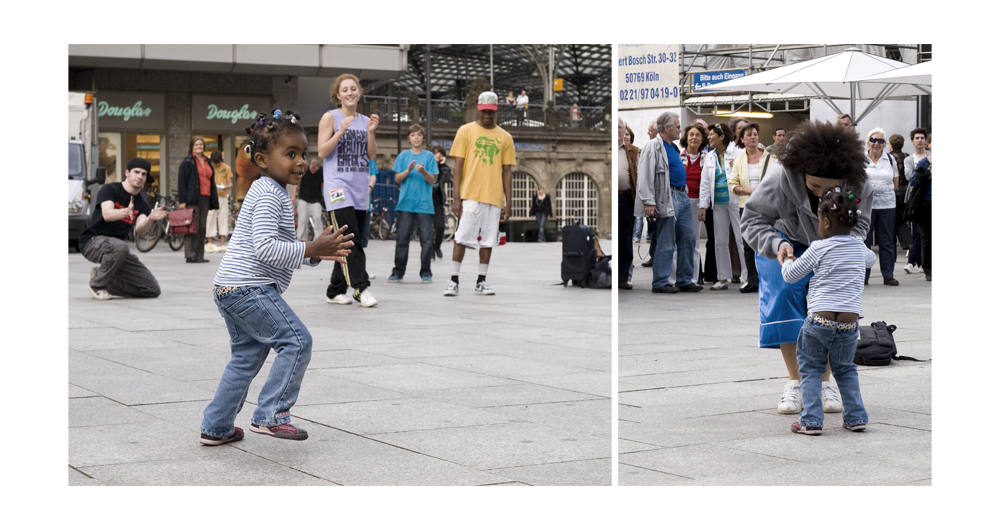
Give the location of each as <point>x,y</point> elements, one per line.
<point>522,107</point>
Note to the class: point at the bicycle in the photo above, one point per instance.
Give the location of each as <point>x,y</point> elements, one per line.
<point>450,221</point>
<point>160,229</point>
<point>380,226</point>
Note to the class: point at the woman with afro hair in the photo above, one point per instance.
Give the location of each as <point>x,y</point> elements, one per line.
<point>780,222</point>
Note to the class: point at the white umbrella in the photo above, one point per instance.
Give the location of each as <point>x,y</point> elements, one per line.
<point>916,74</point>
<point>832,76</point>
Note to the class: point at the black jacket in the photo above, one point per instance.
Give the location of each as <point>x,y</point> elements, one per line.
<point>541,206</point>
<point>189,185</point>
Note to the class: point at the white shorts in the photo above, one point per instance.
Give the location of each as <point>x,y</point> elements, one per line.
<point>479,225</point>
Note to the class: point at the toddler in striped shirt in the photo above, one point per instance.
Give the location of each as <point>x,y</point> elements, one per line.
<point>830,332</point>
<point>256,269</point>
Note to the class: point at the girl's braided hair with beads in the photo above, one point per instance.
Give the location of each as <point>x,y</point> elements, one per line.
<point>841,207</point>
<point>266,128</point>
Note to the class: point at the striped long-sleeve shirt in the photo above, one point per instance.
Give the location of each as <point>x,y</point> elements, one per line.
<point>263,249</point>
<point>839,263</point>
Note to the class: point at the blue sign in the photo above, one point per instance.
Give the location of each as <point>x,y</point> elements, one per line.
<point>702,80</point>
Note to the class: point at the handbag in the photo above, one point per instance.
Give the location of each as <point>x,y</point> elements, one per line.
<point>182,222</point>
<point>876,347</point>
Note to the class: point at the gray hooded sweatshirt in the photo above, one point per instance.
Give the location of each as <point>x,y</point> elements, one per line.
<point>781,202</point>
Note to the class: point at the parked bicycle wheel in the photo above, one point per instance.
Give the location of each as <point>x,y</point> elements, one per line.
<point>383,228</point>
<point>147,241</point>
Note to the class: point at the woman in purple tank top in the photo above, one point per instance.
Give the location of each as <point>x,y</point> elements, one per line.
<point>346,143</point>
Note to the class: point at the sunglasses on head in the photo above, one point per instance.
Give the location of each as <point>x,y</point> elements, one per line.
<point>877,140</point>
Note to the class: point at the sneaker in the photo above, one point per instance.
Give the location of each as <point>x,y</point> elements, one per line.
<point>100,294</point>
<point>831,398</point>
<point>804,429</point>
<point>670,289</point>
<point>452,289</point>
<point>484,288</point>
<point>890,281</point>
<point>635,239</point>
<point>214,440</point>
<point>911,268</point>
<point>365,298</point>
<point>689,288</point>
<point>286,431</point>
<point>341,299</point>
<point>856,428</point>
<point>625,286</point>
<point>720,285</point>
<point>791,398</point>
<point>426,278</point>
<point>439,254</point>
<point>209,247</point>
<point>394,279</point>
<point>927,277</point>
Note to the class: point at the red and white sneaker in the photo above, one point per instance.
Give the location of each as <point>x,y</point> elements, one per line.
<point>803,429</point>
<point>285,431</point>
<point>213,440</point>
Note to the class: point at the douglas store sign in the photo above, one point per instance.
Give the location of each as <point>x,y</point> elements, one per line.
<point>131,111</point>
<point>226,113</point>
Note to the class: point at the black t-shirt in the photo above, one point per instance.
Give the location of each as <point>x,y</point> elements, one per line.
<point>311,187</point>
<point>114,192</point>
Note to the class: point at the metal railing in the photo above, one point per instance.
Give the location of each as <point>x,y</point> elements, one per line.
<point>452,112</point>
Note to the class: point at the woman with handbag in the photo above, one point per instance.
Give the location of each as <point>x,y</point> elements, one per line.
<point>748,170</point>
<point>716,198</point>
<point>884,179</point>
<point>196,190</point>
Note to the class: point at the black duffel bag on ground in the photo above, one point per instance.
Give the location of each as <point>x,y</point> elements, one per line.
<point>876,347</point>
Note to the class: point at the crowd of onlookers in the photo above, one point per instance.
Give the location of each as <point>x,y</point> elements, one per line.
<point>717,167</point>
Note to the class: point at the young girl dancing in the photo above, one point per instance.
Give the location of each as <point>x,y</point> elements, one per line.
<point>839,261</point>
<point>256,269</point>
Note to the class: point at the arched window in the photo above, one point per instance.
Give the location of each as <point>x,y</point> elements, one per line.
<point>576,197</point>
<point>523,187</point>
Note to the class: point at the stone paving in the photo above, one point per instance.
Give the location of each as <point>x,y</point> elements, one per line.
<point>511,389</point>
<point>698,398</point>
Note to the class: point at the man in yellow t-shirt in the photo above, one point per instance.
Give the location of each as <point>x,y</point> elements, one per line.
<point>484,155</point>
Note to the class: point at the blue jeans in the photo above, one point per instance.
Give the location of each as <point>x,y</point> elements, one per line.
<point>258,320</point>
<point>674,234</point>
<point>425,230</point>
<point>637,231</point>
<point>541,218</point>
<point>815,340</point>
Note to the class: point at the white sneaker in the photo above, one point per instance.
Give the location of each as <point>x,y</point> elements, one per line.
<point>484,288</point>
<point>365,298</point>
<point>720,285</point>
<point>452,289</point>
<point>635,239</point>
<point>911,268</point>
<point>831,398</point>
<point>341,299</point>
<point>100,294</point>
<point>791,398</point>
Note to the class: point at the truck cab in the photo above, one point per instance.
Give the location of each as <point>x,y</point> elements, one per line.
<point>85,178</point>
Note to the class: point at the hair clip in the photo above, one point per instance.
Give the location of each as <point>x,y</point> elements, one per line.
<point>291,118</point>
<point>833,207</point>
<point>248,149</point>
<point>270,126</point>
<point>277,114</point>
<point>260,121</point>
<point>837,189</point>
<point>249,130</point>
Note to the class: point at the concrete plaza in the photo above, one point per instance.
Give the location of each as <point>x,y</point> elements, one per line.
<point>698,398</point>
<point>511,389</point>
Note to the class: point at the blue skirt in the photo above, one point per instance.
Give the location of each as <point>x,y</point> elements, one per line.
<point>783,305</point>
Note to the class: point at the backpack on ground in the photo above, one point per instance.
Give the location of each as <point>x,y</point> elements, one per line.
<point>876,347</point>
<point>578,254</point>
<point>600,275</point>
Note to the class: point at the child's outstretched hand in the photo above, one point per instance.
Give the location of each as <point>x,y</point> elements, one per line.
<point>330,245</point>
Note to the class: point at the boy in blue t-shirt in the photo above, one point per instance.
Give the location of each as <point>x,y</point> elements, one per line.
<point>416,170</point>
